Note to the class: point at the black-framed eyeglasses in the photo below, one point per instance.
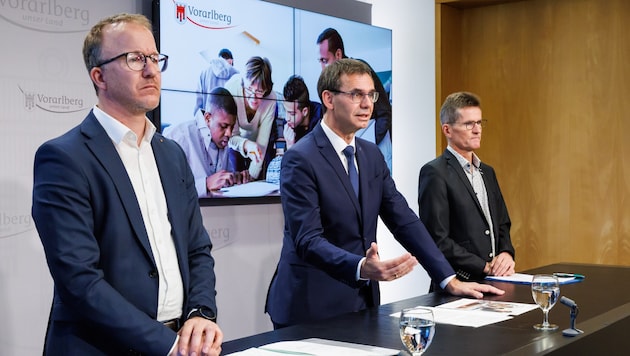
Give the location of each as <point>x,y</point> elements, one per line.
<point>358,96</point>
<point>469,125</point>
<point>138,61</point>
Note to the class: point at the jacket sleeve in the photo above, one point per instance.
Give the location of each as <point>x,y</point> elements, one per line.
<point>435,212</point>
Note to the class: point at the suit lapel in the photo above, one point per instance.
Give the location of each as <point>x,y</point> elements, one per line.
<point>364,163</point>
<point>170,180</point>
<point>490,192</point>
<point>452,161</point>
<point>100,144</point>
<point>327,151</point>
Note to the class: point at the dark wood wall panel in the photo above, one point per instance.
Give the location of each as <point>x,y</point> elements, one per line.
<point>553,76</point>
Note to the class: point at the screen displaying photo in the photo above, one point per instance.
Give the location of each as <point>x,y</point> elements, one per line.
<point>253,52</point>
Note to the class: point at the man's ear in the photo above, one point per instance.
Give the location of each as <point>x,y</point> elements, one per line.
<point>97,77</point>
<point>446,130</point>
<point>338,54</point>
<point>305,111</point>
<point>327,98</point>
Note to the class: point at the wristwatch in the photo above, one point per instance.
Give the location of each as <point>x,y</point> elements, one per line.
<point>203,312</point>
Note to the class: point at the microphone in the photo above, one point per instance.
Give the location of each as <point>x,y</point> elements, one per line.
<point>568,302</point>
<point>572,331</point>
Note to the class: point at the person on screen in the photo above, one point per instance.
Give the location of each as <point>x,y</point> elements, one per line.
<point>459,197</point>
<point>204,141</point>
<point>218,72</point>
<point>227,55</point>
<point>256,114</point>
<point>329,263</point>
<point>115,206</point>
<point>331,49</point>
<point>302,114</point>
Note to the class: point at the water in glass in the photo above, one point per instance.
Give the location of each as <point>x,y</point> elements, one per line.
<point>545,292</point>
<point>417,329</point>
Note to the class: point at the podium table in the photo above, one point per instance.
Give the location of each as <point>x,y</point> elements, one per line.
<point>603,298</point>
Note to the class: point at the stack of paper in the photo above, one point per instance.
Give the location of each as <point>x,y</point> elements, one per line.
<point>476,312</point>
<point>251,189</point>
<point>316,347</point>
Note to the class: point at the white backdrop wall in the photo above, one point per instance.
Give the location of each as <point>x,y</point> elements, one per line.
<point>45,90</point>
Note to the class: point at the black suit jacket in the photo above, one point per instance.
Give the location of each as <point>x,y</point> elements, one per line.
<point>451,212</point>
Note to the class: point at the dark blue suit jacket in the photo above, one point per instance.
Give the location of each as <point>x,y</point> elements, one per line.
<point>97,248</point>
<point>328,230</point>
<point>451,211</point>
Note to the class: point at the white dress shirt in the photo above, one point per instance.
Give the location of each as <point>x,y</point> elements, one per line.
<point>141,167</point>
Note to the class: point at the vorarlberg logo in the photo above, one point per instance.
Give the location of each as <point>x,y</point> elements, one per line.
<point>54,103</point>
<point>45,15</point>
<point>206,18</point>
<point>12,224</point>
<point>180,13</point>
<point>15,207</point>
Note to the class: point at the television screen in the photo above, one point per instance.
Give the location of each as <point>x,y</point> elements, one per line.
<point>223,95</point>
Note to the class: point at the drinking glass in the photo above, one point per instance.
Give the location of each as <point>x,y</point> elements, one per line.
<point>417,329</point>
<point>545,291</point>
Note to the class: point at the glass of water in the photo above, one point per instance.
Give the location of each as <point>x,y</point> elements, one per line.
<point>417,328</point>
<point>545,292</point>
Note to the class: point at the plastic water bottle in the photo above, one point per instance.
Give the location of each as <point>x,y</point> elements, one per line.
<point>273,170</point>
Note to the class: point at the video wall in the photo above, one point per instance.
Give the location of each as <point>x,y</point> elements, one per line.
<point>250,50</point>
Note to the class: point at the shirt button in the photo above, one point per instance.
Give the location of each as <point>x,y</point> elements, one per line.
<point>490,255</point>
<point>487,232</point>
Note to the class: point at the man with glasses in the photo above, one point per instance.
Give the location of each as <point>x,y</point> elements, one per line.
<point>332,198</point>
<point>459,197</point>
<point>117,213</point>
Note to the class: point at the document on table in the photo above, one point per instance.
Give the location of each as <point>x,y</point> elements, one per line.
<point>476,313</point>
<point>251,189</point>
<point>492,306</point>
<point>523,278</point>
<point>316,347</point>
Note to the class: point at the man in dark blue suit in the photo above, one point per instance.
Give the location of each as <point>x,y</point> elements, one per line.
<point>329,264</point>
<point>116,209</point>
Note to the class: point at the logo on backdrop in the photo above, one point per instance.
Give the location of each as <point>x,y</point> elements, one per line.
<point>12,224</point>
<point>205,18</point>
<point>45,15</point>
<point>180,13</point>
<point>15,217</point>
<point>220,237</point>
<point>53,103</point>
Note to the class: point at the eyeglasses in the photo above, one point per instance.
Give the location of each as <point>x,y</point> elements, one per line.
<point>138,61</point>
<point>358,96</point>
<point>254,92</point>
<point>471,124</point>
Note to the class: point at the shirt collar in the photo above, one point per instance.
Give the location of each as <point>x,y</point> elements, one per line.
<point>204,131</point>
<point>338,143</point>
<point>463,161</point>
<point>117,131</point>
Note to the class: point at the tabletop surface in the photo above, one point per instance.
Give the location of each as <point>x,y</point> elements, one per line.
<point>603,299</point>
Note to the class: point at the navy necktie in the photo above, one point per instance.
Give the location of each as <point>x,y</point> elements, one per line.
<point>352,170</point>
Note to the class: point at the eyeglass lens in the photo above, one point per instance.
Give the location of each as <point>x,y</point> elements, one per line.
<point>137,61</point>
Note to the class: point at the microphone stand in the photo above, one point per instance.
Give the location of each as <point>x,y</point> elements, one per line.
<point>573,331</point>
